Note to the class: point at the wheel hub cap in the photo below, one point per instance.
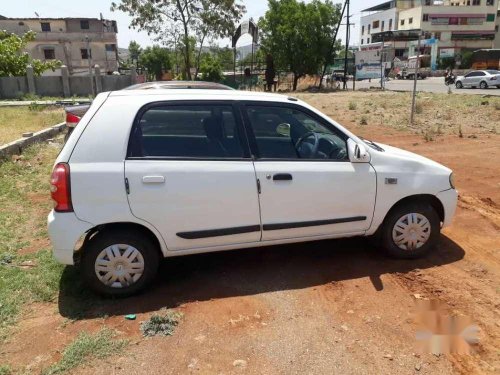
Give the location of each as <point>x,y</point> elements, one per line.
<point>411,231</point>
<point>119,265</point>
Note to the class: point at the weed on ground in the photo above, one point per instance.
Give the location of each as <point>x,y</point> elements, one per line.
<point>161,325</point>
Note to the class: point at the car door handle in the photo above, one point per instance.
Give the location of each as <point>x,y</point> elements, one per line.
<point>282,177</point>
<point>153,179</point>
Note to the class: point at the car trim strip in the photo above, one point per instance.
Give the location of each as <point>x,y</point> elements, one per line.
<point>218,232</point>
<point>302,224</point>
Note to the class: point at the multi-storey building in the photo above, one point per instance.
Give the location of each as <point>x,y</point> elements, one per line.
<point>454,25</point>
<point>73,41</point>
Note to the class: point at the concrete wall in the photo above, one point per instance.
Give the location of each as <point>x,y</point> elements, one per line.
<point>16,87</point>
<point>383,16</point>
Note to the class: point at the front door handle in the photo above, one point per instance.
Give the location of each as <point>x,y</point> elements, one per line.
<point>282,177</point>
<point>153,179</point>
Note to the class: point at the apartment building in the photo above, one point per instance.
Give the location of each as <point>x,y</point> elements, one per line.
<point>74,41</point>
<point>454,25</point>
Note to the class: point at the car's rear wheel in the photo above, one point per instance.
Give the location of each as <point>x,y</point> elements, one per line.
<point>411,231</point>
<point>119,262</point>
<point>459,85</point>
<point>483,85</point>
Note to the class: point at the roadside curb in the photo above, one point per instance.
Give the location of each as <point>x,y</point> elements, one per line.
<point>17,147</point>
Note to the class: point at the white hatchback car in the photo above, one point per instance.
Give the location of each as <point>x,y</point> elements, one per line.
<point>161,173</point>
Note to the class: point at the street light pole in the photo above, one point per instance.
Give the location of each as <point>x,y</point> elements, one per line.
<point>417,64</point>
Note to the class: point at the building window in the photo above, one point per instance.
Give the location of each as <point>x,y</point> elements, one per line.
<point>49,54</point>
<point>363,30</point>
<point>390,24</point>
<point>368,41</point>
<point>490,17</point>
<point>410,20</point>
<point>402,22</point>
<point>476,2</point>
<point>110,47</point>
<point>85,55</point>
<point>437,35</point>
<point>425,18</point>
<point>362,40</point>
<point>376,24</point>
<point>490,2</point>
<point>496,28</point>
<point>84,24</point>
<point>383,24</point>
<point>453,21</point>
<point>369,27</point>
<point>427,2</point>
<point>45,26</point>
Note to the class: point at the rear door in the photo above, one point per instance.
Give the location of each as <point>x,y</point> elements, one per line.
<point>190,175</point>
<point>309,187</point>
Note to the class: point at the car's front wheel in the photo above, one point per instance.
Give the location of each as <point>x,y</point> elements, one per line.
<point>119,262</point>
<point>411,231</point>
<point>459,85</point>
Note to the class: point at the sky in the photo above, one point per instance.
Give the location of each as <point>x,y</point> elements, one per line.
<point>92,8</point>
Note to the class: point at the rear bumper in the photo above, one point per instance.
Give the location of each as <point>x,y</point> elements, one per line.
<point>449,200</point>
<point>65,229</point>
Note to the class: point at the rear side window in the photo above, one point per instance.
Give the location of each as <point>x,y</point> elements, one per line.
<point>187,131</point>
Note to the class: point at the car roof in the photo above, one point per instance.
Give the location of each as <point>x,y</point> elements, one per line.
<point>202,94</point>
<point>178,85</point>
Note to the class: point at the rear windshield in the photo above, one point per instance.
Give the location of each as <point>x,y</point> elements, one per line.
<point>493,71</point>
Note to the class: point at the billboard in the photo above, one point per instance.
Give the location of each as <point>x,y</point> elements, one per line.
<point>367,64</point>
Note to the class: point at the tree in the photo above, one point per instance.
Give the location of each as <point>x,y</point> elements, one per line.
<point>211,69</point>
<point>156,60</point>
<point>134,50</point>
<point>197,19</point>
<point>13,61</point>
<point>299,36</point>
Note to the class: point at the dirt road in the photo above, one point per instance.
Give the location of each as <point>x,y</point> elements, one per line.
<point>330,307</point>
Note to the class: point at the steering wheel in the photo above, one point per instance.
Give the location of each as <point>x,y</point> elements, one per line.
<point>337,153</point>
<point>314,150</point>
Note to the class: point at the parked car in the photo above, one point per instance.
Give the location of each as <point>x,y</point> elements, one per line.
<point>75,112</point>
<point>149,174</point>
<point>479,78</point>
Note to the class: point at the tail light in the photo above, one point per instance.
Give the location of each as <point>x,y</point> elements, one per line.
<point>494,78</point>
<point>60,188</point>
<point>72,120</point>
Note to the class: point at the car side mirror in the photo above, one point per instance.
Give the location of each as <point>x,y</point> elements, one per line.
<point>357,152</point>
<point>283,129</point>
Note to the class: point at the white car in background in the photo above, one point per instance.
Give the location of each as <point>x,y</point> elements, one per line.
<point>149,174</point>
<point>479,78</point>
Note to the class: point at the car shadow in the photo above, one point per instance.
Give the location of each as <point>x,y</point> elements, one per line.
<point>249,272</point>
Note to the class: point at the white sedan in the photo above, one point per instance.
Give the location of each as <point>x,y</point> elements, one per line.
<point>479,78</point>
<point>148,174</point>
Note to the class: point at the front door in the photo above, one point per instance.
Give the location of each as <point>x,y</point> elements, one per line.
<point>190,175</point>
<point>309,187</point>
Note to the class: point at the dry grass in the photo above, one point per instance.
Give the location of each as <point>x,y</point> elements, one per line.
<point>14,121</point>
<point>436,113</point>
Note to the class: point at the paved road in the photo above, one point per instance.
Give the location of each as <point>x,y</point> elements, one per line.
<point>434,84</point>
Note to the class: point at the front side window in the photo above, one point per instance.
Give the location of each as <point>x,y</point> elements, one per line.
<point>85,53</point>
<point>187,131</point>
<point>45,26</point>
<point>49,54</point>
<point>288,133</point>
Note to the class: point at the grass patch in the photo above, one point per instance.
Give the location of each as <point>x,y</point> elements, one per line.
<point>25,203</point>
<point>5,370</point>
<point>352,106</point>
<point>14,121</point>
<point>85,348</point>
<point>363,120</point>
<point>161,325</point>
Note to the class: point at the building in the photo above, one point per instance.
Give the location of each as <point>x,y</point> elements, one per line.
<point>453,25</point>
<point>70,40</point>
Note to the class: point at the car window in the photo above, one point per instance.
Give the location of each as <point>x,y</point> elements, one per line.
<point>471,74</point>
<point>288,133</point>
<point>480,74</point>
<point>192,131</point>
<point>493,71</point>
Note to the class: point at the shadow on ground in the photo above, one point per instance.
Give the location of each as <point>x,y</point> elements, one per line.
<point>248,272</point>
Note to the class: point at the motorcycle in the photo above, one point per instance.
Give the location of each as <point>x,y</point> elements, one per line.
<point>450,79</point>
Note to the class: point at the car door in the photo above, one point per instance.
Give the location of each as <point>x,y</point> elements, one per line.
<point>190,175</point>
<point>308,186</point>
<point>468,79</point>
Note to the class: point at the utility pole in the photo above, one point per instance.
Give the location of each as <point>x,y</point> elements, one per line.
<point>382,64</point>
<point>417,65</point>
<point>347,32</point>
<point>90,65</point>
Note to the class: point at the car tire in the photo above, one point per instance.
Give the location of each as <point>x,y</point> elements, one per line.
<point>498,86</point>
<point>411,223</point>
<point>483,85</point>
<point>459,85</point>
<point>106,254</point>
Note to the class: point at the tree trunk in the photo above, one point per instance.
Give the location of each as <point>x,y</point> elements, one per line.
<point>295,80</point>
<point>198,57</point>
<point>187,60</point>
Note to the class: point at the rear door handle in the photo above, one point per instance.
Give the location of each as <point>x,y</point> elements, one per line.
<point>153,179</point>
<point>282,177</point>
